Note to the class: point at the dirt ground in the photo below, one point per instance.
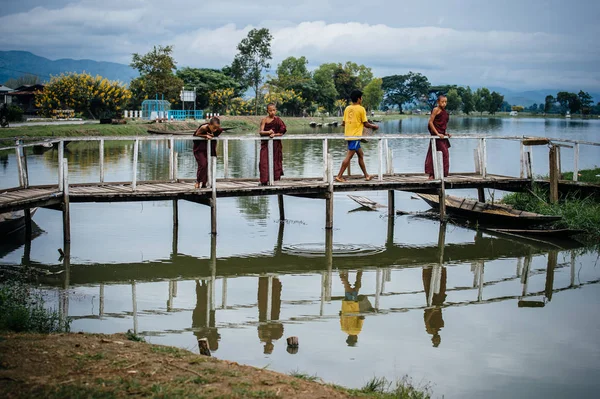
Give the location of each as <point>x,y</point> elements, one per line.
<point>111,366</point>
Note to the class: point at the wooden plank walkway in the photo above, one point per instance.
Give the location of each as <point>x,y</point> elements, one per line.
<point>40,196</point>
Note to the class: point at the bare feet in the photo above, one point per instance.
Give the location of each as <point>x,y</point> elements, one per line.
<point>430,178</point>
<point>368,177</point>
<point>197,186</point>
<point>340,179</point>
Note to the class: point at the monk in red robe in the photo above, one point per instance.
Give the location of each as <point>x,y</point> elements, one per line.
<point>271,126</point>
<point>209,131</point>
<point>437,127</point>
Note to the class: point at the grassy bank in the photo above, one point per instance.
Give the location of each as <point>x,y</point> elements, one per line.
<point>577,213</point>
<point>113,366</point>
<point>586,175</point>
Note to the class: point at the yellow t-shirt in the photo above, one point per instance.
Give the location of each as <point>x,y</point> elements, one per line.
<point>354,118</point>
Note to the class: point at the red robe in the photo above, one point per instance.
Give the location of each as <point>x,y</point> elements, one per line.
<point>200,153</point>
<point>277,126</point>
<point>440,122</point>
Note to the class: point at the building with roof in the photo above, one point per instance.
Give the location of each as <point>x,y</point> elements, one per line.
<point>4,98</point>
<point>24,97</point>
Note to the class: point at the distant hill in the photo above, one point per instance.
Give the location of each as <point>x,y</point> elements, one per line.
<point>17,63</point>
<point>530,97</point>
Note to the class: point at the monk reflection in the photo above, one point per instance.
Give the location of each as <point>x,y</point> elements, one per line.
<point>269,329</point>
<point>351,321</point>
<point>203,318</point>
<point>433,314</point>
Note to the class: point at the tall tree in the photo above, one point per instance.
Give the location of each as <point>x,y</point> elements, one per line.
<point>345,82</point>
<point>157,76</point>
<point>549,103</point>
<point>481,99</point>
<point>292,74</point>
<point>254,53</point>
<point>373,94</point>
<point>454,100</point>
<point>206,81</point>
<point>467,100</point>
<point>404,89</point>
<point>363,74</point>
<point>495,102</point>
<point>327,93</point>
<point>586,101</point>
<point>568,101</point>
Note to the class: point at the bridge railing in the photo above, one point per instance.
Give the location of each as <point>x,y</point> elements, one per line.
<point>385,154</point>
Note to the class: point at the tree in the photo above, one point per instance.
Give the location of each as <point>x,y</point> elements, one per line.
<point>23,80</point>
<point>340,105</point>
<point>220,100</point>
<point>96,96</point>
<point>517,108</point>
<point>292,74</point>
<point>481,99</point>
<point>568,101</point>
<point>404,89</point>
<point>373,94</point>
<point>206,81</point>
<point>586,101</point>
<point>156,76</point>
<point>363,74</point>
<point>254,53</point>
<point>495,102</point>
<point>345,82</point>
<point>454,100</point>
<point>548,104</point>
<point>324,81</point>
<point>467,100</point>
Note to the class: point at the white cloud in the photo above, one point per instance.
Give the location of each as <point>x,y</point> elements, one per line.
<point>205,36</point>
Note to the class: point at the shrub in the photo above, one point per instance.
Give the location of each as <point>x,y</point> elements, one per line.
<point>15,113</point>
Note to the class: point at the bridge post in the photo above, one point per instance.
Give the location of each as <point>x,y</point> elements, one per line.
<point>172,158</point>
<point>22,165</point>
<point>552,262</point>
<point>483,158</point>
<point>175,226</point>
<point>380,158</point>
<point>522,158</point>
<point>226,158</point>
<point>391,203</point>
<point>66,205</point>
<point>325,152</point>
<point>209,161</point>
<point>553,174</point>
<point>213,200</point>
<point>442,190</point>
<point>434,157</point>
<point>281,207</point>
<point>329,195</point>
<point>135,161</point>
<point>576,161</point>
<point>61,154</point>
<point>101,160</point>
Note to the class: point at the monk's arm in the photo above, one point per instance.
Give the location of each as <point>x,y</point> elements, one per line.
<point>203,132</point>
<point>434,113</point>
<point>370,126</point>
<point>262,130</point>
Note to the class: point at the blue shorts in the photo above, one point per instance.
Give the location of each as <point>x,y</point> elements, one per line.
<point>353,145</point>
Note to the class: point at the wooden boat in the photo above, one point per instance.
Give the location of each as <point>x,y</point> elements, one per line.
<point>181,132</point>
<point>485,214</point>
<point>312,124</point>
<point>366,202</point>
<point>12,221</point>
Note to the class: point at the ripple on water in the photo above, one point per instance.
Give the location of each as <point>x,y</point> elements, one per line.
<point>313,250</point>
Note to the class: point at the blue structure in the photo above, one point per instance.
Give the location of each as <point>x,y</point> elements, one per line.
<point>152,109</point>
<point>181,115</point>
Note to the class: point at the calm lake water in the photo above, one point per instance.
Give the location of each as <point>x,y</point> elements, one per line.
<point>473,314</point>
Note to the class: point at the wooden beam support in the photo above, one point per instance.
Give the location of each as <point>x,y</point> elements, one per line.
<point>281,207</point>
<point>66,205</point>
<point>271,163</point>
<point>213,200</point>
<point>442,190</point>
<point>553,169</point>
<point>329,197</point>
<point>136,145</point>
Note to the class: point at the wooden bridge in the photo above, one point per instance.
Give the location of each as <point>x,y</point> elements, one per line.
<point>61,194</point>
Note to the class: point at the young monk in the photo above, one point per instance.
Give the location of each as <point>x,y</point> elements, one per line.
<point>438,121</point>
<point>209,131</point>
<point>271,126</point>
<point>355,119</point>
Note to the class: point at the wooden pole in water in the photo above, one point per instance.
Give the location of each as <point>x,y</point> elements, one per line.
<point>391,203</point>
<point>442,190</point>
<point>329,195</point>
<point>281,207</point>
<point>101,306</point>
<point>552,262</point>
<point>329,262</point>
<point>66,205</point>
<point>61,154</point>
<point>134,307</point>
<point>175,226</point>
<point>522,158</point>
<point>213,200</point>
<point>19,164</point>
<point>481,194</point>
<point>135,161</point>
<point>27,224</point>
<point>271,163</point>
<point>553,174</point>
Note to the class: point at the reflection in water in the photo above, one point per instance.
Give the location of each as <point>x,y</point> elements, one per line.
<point>203,317</point>
<point>351,320</point>
<point>435,292</point>
<point>269,305</point>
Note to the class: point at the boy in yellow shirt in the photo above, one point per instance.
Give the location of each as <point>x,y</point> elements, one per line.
<point>355,119</point>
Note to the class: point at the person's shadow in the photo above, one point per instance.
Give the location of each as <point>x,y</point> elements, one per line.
<point>269,329</point>
<point>203,318</point>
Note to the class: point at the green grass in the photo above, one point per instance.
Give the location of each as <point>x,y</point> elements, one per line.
<point>23,309</point>
<point>304,376</point>
<point>134,337</point>
<point>576,212</point>
<point>382,388</point>
<point>586,175</point>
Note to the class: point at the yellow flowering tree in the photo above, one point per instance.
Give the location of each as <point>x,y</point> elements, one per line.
<point>239,106</point>
<point>340,105</point>
<point>83,93</point>
<point>287,101</point>
<point>219,100</point>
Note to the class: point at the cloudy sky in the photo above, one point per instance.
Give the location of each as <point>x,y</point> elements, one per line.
<point>524,44</point>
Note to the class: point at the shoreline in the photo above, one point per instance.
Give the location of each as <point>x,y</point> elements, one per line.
<point>119,365</point>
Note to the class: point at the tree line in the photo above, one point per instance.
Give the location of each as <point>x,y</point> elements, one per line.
<point>293,87</point>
